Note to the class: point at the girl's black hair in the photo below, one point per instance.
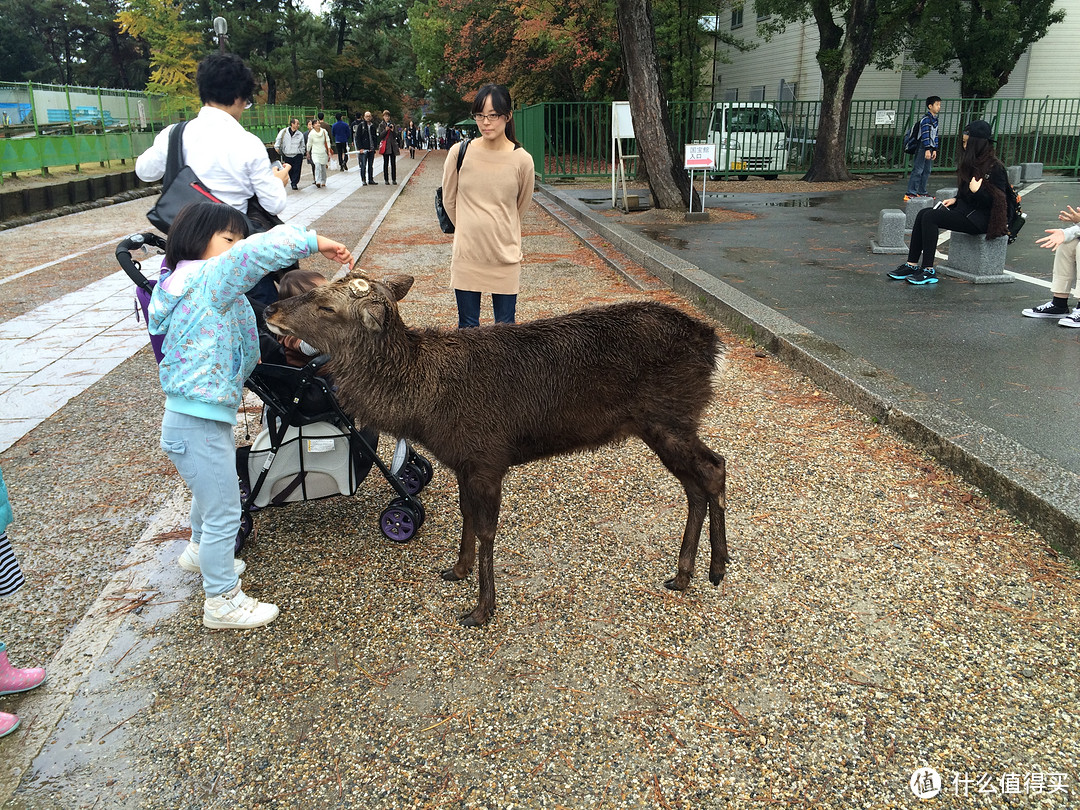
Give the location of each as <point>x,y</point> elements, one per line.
<point>500,102</point>
<point>975,160</point>
<point>193,227</point>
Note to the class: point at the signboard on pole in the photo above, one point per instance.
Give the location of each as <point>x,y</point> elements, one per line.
<point>699,156</point>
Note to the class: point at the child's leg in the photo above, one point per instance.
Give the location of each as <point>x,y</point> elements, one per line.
<point>1065,269</point>
<point>205,456</point>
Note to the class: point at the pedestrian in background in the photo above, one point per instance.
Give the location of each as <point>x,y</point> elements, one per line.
<point>366,138</point>
<point>1063,241</point>
<point>291,145</point>
<point>412,138</point>
<point>486,200</point>
<point>319,150</point>
<point>341,133</point>
<point>388,145</point>
<point>927,152</point>
<point>979,207</point>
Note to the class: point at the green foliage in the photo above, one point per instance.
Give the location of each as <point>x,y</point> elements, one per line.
<point>987,37</point>
<point>175,44</point>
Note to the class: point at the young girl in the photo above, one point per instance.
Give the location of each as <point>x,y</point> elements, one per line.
<point>486,201</point>
<point>978,207</point>
<point>12,680</point>
<point>211,346</point>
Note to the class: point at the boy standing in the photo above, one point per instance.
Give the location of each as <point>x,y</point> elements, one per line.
<point>927,152</point>
<point>341,133</point>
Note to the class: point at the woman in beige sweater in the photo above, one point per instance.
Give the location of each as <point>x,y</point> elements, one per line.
<point>486,200</point>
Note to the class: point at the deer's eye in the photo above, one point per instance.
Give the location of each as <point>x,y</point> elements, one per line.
<point>326,309</point>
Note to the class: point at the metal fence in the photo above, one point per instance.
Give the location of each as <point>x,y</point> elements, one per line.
<point>43,125</point>
<point>573,139</point>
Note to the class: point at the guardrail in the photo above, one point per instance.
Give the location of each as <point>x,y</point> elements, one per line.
<point>43,125</point>
<point>573,139</point>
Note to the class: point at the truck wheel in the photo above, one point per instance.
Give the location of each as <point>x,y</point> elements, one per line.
<point>744,177</point>
<point>770,176</point>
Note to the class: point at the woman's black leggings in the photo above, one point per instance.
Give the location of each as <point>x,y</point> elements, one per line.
<point>924,235</point>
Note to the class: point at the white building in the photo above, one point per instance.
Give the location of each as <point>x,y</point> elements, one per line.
<point>786,67</point>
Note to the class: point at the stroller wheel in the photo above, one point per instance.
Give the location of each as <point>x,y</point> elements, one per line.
<point>412,477</point>
<point>399,522</point>
<point>247,526</point>
<point>425,468</point>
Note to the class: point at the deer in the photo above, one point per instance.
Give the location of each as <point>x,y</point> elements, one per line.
<point>485,399</point>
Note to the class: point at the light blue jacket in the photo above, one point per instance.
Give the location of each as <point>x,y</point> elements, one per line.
<point>211,338</point>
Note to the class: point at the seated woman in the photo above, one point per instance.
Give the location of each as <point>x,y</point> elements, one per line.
<point>980,205</point>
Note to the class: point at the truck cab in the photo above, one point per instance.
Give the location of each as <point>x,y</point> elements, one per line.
<point>749,138</point>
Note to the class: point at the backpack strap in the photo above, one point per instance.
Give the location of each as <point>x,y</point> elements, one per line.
<point>461,154</point>
<point>174,162</point>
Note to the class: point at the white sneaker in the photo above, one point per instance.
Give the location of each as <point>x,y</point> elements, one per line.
<point>235,611</point>
<point>1072,319</point>
<point>189,561</point>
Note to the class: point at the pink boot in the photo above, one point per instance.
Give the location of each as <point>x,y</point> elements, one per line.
<point>8,723</point>
<point>14,680</point>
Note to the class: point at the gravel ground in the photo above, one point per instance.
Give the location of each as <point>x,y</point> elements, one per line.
<point>879,615</point>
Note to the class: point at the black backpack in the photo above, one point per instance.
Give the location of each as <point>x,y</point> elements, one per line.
<point>911,138</point>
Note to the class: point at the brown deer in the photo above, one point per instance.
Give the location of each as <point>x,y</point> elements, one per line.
<point>483,400</point>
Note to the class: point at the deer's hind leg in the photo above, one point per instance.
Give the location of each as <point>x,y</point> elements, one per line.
<point>702,474</point>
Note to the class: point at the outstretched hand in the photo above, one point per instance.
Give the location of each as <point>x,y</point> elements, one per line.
<point>335,251</point>
<point>1055,237</point>
<point>1070,215</point>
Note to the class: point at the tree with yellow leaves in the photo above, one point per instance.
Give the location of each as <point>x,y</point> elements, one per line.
<point>175,45</point>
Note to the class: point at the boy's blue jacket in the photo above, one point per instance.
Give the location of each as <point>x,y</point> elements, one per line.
<point>211,338</point>
<point>928,131</point>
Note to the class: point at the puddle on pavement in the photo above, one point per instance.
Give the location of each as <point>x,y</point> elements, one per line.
<point>665,238</point>
<point>761,200</point>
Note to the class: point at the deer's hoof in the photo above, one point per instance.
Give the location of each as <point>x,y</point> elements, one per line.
<point>475,619</point>
<point>679,582</point>
<point>451,574</point>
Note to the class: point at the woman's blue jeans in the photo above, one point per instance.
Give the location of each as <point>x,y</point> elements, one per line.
<point>468,308</point>
<point>204,453</point>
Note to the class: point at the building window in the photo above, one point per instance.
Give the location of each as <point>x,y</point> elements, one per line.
<point>757,93</point>
<point>763,17</point>
<point>736,17</point>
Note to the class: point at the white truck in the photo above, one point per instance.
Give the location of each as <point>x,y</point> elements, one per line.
<point>749,138</point>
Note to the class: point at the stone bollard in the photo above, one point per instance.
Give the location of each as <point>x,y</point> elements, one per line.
<point>1031,171</point>
<point>912,208</point>
<point>1016,174</point>
<point>974,258</point>
<point>890,232</point>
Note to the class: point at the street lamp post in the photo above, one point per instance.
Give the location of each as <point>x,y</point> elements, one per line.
<point>319,73</point>
<point>221,28</point>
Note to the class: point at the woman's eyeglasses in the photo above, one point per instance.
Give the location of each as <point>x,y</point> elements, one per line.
<point>480,118</point>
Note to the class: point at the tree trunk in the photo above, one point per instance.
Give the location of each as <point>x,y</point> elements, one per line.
<point>669,184</point>
<point>842,57</point>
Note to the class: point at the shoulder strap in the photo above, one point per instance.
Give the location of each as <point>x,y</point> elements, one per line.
<point>461,153</point>
<point>174,162</point>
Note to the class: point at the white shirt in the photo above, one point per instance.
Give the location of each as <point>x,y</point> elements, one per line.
<point>229,160</point>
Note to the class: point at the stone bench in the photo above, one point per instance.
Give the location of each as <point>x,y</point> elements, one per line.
<point>912,208</point>
<point>1031,172</point>
<point>975,259</point>
<point>890,232</point>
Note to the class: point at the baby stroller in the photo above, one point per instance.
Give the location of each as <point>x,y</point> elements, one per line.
<point>308,448</point>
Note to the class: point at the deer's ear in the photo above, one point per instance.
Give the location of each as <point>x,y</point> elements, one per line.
<point>372,315</point>
<point>399,285</point>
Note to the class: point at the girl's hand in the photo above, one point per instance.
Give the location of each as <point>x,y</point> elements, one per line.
<point>949,202</point>
<point>1056,237</point>
<point>1071,215</point>
<point>335,251</point>
<point>975,184</point>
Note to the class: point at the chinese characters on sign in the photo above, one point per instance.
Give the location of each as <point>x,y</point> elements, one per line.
<point>926,783</point>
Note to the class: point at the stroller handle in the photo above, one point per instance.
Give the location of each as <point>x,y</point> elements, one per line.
<point>130,266</point>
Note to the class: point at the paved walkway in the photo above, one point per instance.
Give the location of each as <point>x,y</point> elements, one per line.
<point>61,348</point>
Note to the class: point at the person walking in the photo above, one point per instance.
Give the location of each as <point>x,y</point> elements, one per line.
<point>412,138</point>
<point>980,205</point>
<point>341,133</point>
<point>1063,241</point>
<point>388,145</point>
<point>319,150</point>
<point>486,201</point>
<point>366,138</point>
<point>927,152</point>
<point>291,145</point>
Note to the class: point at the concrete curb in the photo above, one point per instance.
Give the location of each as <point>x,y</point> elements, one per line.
<point>1034,489</point>
<point>53,213</point>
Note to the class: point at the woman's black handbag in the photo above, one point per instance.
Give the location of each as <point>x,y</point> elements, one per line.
<point>444,219</point>
<point>179,187</point>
